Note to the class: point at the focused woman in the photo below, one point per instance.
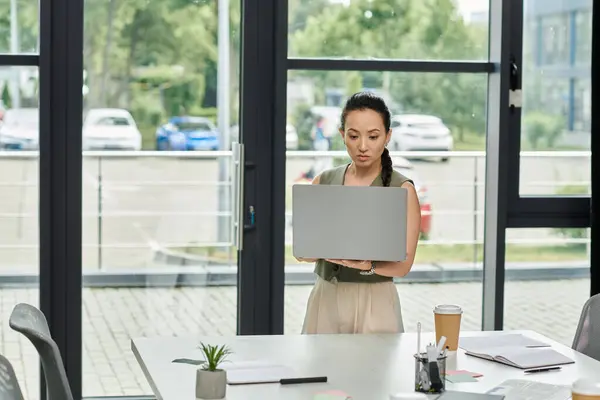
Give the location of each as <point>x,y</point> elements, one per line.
<point>352,296</point>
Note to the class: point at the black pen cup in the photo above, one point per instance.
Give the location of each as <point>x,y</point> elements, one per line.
<point>430,378</point>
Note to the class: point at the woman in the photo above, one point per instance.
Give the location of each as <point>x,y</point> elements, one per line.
<point>352,296</point>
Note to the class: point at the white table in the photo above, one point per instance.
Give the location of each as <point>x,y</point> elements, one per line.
<point>367,367</point>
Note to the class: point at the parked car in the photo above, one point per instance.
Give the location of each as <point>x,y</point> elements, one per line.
<point>417,132</point>
<point>187,133</point>
<point>110,129</point>
<point>291,137</point>
<point>406,168</point>
<point>19,129</point>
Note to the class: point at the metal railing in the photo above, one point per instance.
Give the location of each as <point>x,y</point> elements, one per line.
<point>106,174</point>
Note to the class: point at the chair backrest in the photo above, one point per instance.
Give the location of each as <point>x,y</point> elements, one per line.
<point>9,385</point>
<point>32,323</point>
<point>587,336</point>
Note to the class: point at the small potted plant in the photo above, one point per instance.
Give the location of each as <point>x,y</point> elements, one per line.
<point>211,381</point>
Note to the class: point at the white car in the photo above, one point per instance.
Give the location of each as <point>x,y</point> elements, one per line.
<point>291,137</point>
<point>20,129</point>
<point>418,132</point>
<point>110,129</point>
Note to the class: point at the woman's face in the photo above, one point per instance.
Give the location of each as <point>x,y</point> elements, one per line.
<point>365,136</point>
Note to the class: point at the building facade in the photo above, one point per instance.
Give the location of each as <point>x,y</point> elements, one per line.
<point>557,63</point>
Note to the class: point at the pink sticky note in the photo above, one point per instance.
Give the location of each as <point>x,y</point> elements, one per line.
<point>464,372</point>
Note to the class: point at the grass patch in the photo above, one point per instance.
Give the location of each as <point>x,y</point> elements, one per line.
<point>474,142</point>
<point>427,254</point>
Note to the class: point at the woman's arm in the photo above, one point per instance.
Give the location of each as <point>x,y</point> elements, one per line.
<point>413,230</point>
<point>316,180</point>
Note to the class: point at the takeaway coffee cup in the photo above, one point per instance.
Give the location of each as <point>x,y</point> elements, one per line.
<point>585,389</point>
<point>447,323</point>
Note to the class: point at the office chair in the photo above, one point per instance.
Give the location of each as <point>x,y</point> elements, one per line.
<point>587,336</point>
<point>9,385</point>
<point>32,323</point>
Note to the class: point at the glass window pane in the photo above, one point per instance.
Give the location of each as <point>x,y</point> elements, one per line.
<point>391,29</point>
<point>19,232</point>
<point>556,114</point>
<point>547,280</point>
<point>19,26</point>
<point>156,197</point>
<point>449,181</point>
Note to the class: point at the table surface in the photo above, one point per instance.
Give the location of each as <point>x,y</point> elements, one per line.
<point>367,367</point>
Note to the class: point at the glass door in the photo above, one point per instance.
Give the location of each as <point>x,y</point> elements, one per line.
<point>160,116</point>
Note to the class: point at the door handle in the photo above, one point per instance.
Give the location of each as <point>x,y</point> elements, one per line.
<point>238,195</point>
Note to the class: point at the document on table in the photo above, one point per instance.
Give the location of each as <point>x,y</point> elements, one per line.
<point>248,372</point>
<point>515,350</point>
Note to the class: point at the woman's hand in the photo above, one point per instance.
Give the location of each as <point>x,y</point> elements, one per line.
<point>309,260</point>
<point>362,265</point>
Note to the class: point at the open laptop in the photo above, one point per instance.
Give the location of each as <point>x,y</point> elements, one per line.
<point>349,222</point>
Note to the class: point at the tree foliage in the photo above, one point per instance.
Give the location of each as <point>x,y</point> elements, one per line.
<point>401,29</point>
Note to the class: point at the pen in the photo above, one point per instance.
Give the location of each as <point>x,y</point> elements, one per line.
<point>529,371</point>
<point>291,381</point>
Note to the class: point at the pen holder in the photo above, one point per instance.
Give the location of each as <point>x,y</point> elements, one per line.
<point>430,378</point>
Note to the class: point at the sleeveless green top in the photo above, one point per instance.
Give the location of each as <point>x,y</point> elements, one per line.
<point>334,272</point>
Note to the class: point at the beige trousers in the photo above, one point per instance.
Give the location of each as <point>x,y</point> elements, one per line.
<point>344,307</point>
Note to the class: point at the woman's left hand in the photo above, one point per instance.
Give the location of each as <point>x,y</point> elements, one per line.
<point>362,265</point>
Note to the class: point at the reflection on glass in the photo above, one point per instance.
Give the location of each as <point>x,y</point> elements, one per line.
<point>390,29</point>
<point>556,114</point>
<point>450,187</point>
<point>547,280</point>
<point>19,228</point>
<point>157,220</point>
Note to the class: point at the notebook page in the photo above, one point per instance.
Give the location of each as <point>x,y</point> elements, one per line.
<point>531,357</point>
<point>483,345</point>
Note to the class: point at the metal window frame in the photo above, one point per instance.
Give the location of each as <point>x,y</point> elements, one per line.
<point>60,180</point>
<point>550,211</point>
<point>595,147</point>
<point>497,124</point>
<point>19,60</point>
<point>261,274</point>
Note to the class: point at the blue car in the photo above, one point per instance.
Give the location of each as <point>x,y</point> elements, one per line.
<point>187,133</point>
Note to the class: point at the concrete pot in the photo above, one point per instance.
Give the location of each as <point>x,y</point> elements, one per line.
<point>211,385</point>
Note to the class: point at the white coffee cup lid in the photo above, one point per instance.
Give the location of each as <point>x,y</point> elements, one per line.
<point>408,396</point>
<point>587,387</point>
<point>447,309</point>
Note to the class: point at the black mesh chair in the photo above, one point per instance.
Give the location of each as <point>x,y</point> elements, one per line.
<point>9,385</point>
<point>587,336</point>
<point>31,322</point>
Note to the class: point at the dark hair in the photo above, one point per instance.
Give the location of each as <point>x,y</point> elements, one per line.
<point>369,101</point>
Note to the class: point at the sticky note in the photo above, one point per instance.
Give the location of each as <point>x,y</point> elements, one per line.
<point>459,378</point>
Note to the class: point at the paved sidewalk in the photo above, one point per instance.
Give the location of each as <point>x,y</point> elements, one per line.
<point>112,316</point>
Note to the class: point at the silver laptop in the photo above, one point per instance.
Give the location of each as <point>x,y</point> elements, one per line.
<point>349,222</point>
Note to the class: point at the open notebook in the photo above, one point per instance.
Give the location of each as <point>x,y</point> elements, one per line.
<point>515,350</point>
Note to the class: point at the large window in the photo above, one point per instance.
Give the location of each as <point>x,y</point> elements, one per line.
<point>556,112</point>
<point>433,30</point>
<point>436,140</point>
<point>19,233</point>
<point>157,200</point>
<point>19,181</point>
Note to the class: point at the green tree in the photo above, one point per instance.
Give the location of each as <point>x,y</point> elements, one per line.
<point>396,29</point>
<point>6,98</point>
